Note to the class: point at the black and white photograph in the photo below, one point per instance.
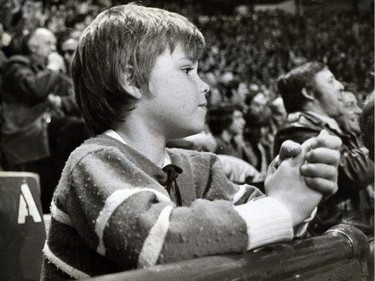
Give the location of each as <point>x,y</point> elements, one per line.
<point>187,140</point>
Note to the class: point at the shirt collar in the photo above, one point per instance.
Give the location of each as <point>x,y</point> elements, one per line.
<point>330,121</point>
<point>111,133</point>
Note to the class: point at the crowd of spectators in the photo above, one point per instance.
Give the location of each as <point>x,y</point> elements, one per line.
<point>245,52</point>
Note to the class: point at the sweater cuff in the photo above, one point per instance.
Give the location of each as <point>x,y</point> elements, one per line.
<point>267,221</point>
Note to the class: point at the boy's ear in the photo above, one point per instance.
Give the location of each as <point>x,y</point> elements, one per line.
<point>129,84</point>
<point>308,94</point>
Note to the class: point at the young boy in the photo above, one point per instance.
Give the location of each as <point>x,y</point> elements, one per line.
<point>116,208</point>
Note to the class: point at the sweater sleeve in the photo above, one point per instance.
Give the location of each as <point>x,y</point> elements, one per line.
<point>267,220</point>
<point>126,216</point>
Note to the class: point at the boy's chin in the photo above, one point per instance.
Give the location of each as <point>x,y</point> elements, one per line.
<point>186,132</point>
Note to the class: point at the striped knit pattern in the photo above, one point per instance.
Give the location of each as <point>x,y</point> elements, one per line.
<point>111,213</point>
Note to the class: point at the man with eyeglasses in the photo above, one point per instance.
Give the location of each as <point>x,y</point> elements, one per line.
<point>66,46</point>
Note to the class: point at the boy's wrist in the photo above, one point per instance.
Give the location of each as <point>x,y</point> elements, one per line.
<point>300,229</point>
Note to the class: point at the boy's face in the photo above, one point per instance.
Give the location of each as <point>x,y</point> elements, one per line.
<point>177,105</point>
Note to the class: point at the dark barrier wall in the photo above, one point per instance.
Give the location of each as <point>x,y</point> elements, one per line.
<point>22,232</point>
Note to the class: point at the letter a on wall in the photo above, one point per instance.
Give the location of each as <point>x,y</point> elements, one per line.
<point>27,206</point>
<point>22,231</point>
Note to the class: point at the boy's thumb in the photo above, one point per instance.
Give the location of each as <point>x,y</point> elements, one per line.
<point>308,145</point>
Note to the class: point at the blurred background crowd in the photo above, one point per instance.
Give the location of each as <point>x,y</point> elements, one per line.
<point>248,53</point>
<point>247,48</point>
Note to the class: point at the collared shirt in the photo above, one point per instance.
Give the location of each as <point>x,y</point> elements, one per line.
<point>328,120</point>
<point>115,135</point>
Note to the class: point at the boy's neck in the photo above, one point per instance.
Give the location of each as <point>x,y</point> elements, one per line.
<point>150,145</point>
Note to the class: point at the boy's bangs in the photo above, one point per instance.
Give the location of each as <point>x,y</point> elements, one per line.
<point>193,46</point>
<point>192,42</point>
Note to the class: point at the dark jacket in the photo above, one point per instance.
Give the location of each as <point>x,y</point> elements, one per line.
<point>25,88</point>
<point>355,170</point>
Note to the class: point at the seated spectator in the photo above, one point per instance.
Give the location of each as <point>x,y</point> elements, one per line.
<point>367,133</point>
<point>313,99</point>
<point>367,129</point>
<point>361,208</point>
<point>226,124</point>
<point>66,45</point>
<point>258,146</point>
<point>349,120</point>
<point>124,201</point>
<point>25,100</point>
<point>367,124</point>
<point>37,104</point>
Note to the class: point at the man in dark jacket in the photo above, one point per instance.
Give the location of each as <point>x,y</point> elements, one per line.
<point>29,105</point>
<point>27,84</point>
<point>313,99</point>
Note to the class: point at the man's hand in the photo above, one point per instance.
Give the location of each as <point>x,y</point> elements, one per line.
<point>54,101</point>
<point>55,62</point>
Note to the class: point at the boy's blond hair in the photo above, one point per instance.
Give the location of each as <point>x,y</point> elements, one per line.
<point>125,40</point>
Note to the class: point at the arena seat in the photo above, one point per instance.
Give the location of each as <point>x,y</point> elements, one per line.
<point>22,230</point>
<point>340,254</point>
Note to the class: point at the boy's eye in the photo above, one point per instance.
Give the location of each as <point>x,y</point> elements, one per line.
<point>187,70</point>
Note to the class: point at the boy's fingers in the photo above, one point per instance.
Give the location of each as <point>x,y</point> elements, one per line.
<point>323,155</point>
<point>319,171</point>
<point>328,141</point>
<point>273,165</point>
<point>289,149</point>
<point>306,146</point>
<point>324,186</point>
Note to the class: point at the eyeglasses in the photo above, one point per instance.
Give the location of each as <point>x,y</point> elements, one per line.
<point>69,52</point>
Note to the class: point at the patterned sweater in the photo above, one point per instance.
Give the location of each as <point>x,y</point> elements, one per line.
<point>111,212</point>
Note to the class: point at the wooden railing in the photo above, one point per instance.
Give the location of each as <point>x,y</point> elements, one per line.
<point>340,254</point>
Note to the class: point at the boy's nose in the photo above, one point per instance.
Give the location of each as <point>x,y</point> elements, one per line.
<point>340,86</point>
<point>204,87</point>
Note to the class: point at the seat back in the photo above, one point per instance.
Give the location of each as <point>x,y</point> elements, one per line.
<point>22,231</point>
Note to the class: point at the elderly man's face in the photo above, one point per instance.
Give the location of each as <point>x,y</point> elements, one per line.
<point>43,43</point>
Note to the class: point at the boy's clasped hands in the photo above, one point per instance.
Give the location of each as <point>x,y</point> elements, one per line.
<point>303,174</point>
